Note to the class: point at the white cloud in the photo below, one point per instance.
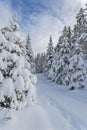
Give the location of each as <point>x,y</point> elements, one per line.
<point>83,2</point>
<point>5,13</point>
<point>42,25</point>
<point>51,22</point>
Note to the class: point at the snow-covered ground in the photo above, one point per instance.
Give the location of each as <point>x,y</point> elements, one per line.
<point>57,108</point>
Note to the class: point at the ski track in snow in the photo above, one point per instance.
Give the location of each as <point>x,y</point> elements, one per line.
<point>71,119</point>
<point>56,109</point>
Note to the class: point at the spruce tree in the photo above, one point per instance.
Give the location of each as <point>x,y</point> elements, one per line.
<point>49,57</point>
<point>29,54</point>
<point>62,54</point>
<point>77,70</point>
<point>16,81</point>
<point>39,61</point>
<point>80,30</point>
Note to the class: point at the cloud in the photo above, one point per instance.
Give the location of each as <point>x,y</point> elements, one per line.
<point>83,2</point>
<point>50,20</point>
<point>42,26</point>
<point>5,13</point>
<point>40,32</point>
<point>58,13</point>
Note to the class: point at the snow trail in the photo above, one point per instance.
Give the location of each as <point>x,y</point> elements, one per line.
<point>69,104</point>
<point>56,108</point>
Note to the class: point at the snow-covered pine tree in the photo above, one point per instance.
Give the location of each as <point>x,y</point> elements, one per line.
<point>29,54</point>
<point>80,30</point>
<point>68,66</point>
<point>7,61</point>
<point>69,35</point>
<point>48,57</point>
<point>61,58</point>
<point>77,69</point>
<point>39,61</point>
<point>16,81</point>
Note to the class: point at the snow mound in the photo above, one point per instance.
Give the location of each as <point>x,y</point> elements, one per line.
<point>19,84</point>
<point>8,87</point>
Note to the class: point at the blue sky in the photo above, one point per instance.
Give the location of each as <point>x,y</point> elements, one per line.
<point>41,18</point>
<point>30,7</point>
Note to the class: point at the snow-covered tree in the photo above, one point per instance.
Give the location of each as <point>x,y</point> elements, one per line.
<point>14,23</point>
<point>61,59</point>
<point>16,80</point>
<point>49,57</point>
<point>30,55</point>
<point>77,70</point>
<point>39,61</point>
<point>80,29</point>
<point>68,66</point>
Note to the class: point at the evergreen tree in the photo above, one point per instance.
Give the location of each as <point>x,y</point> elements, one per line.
<point>68,67</point>
<point>14,24</point>
<point>30,55</point>
<point>77,70</point>
<point>69,35</point>
<point>49,57</point>
<point>39,61</point>
<point>80,29</point>
<point>61,58</point>
<point>16,81</point>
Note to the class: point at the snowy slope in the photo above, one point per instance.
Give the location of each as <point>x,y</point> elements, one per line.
<point>57,108</point>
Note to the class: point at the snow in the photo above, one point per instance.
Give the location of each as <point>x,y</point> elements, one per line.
<point>16,72</point>
<point>13,36</point>
<point>26,74</point>
<point>57,108</point>
<point>2,39</point>
<point>33,79</point>
<point>19,84</point>
<point>31,95</point>
<point>20,62</point>
<point>1,77</point>
<point>7,87</point>
<point>9,46</point>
